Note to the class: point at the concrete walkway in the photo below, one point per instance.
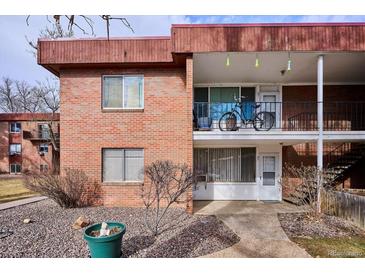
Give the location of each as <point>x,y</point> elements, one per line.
<point>21,202</point>
<point>258,226</point>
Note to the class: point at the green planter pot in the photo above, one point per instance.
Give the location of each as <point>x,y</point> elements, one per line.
<point>105,246</point>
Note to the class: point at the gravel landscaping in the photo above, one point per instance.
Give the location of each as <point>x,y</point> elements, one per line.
<point>50,233</point>
<point>327,237</point>
<point>300,225</point>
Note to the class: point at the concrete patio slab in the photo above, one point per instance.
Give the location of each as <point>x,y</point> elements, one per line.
<point>258,226</point>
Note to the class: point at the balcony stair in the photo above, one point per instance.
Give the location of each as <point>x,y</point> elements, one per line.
<point>338,163</point>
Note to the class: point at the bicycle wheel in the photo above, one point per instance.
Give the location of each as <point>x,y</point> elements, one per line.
<point>263,121</point>
<point>228,122</point>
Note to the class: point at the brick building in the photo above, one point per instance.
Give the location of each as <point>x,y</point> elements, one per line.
<point>126,102</point>
<point>25,143</point>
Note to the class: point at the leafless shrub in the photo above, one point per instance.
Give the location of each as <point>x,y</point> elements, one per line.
<point>74,189</point>
<point>167,182</point>
<point>305,191</point>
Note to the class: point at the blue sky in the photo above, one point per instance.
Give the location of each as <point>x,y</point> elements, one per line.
<point>18,63</point>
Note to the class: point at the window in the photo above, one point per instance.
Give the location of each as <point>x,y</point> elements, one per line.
<point>15,168</point>
<point>120,165</point>
<point>123,92</point>
<point>43,148</point>
<point>15,149</point>
<point>268,173</point>
<point>43,168</point>
<point>226,164</point>
<point>43,131</point>
<point>15,127</point>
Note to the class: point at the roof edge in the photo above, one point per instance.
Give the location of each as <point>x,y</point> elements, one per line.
<point>21,116</point>
<point>318,24</point>
<point>106,39</point>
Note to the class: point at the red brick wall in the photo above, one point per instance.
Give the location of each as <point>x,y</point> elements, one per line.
<point>162,129</point>
<point>29,158</point>
<point>4,147</point>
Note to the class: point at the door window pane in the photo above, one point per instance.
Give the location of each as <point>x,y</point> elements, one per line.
<point>133,92</point>
<point>268,171</point>
<point>113,92</point>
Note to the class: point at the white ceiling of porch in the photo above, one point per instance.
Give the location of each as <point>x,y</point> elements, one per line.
<point>338,68</point>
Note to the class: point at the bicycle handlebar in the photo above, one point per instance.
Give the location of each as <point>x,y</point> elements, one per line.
<point>240,98</point>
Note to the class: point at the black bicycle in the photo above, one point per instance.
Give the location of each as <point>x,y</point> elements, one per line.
<point>262,121</point>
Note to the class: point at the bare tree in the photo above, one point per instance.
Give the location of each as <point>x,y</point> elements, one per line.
<point>64,26</point>
<point>48,94</point>
<point>306,191</point>
<point>167,182</point>
<point>8,96</point>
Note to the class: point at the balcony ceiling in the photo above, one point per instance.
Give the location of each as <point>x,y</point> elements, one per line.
<point>338,68</point>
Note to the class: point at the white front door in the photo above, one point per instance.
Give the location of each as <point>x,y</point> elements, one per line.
<point>269,187</point>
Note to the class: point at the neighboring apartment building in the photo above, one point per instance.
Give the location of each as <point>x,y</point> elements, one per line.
<point>126,102</point>
<point>25,143</point>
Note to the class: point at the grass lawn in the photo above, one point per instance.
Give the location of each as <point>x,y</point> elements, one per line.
<point>353,247</point>
<point>13,189</point>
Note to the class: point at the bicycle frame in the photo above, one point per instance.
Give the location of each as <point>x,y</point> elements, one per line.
<point>241,113</point>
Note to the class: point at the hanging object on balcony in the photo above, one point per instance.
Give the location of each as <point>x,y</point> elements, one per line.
<point>257,62</point>
<point>289,63</point>
<point>228,61</point>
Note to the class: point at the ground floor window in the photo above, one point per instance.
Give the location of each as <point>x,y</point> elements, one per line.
<point>15,168</point>
<point>43,168</point>
<point>225,164</point>
<point>120,165</point>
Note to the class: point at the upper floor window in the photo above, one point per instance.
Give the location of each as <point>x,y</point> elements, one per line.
<point>15,127</point>
<point>43,148</point>
<point>15,149</point>
<point>123,92</point>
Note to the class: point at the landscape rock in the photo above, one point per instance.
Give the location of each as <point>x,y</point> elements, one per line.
<point>27,221</point>
<point>80,223</point>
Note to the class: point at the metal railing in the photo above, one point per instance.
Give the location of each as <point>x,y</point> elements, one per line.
<point>39,134</point>
<point>290,116</point>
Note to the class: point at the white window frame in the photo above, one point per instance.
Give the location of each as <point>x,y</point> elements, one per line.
<point>16,123</point>
<point>15,164</point>
<point>122,76</point>
<point>43,145</point>
<point>16,152</point>
<point>120,181</point>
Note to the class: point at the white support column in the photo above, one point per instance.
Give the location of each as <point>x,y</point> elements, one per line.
<point>320,127</point>
<point>320,111</point>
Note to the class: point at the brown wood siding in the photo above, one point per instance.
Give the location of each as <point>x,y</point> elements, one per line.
<point>268,38</point>
<point>104,51</point>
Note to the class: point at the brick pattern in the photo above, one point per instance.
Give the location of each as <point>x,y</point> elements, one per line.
<point>30,159</point>
<point>163,129</point>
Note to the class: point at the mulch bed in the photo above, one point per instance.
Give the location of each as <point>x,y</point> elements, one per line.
<point>301,225</point>
<point>50,233</point>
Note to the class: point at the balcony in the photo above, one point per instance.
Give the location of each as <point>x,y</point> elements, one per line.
<point>39,135</point>
<point>286,123</point>
<point>279,116</point>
